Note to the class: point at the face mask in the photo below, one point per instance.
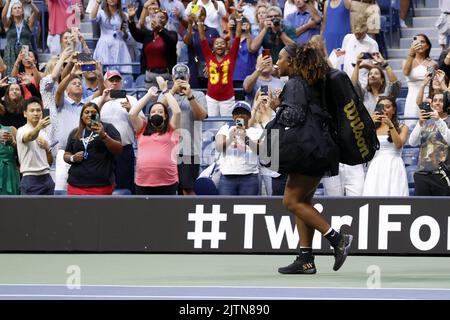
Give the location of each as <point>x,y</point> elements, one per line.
<point>156,120</point>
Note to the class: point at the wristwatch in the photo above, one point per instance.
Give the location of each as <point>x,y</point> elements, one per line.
<point>191,98</point>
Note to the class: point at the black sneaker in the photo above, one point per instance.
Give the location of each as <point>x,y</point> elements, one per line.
<point>342,250</point>
<point>299,267</point>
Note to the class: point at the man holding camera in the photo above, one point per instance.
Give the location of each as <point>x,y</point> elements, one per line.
<point>114,104</point>
<point>260,77</point>
<point>274,35</point>
<point>193,110</point>
<point>306,21</point>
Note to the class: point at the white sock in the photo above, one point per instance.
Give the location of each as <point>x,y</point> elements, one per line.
<point>329,230</point>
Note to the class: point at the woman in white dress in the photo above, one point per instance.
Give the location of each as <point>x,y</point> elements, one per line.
<point>111,46</point>
<point>415,68</point>
<point>386,175</point>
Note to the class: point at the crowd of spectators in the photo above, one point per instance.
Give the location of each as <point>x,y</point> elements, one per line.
<point>68,126</point>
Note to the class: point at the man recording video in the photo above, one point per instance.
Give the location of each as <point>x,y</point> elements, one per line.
<point>275,35</point>
<point>193,110</point>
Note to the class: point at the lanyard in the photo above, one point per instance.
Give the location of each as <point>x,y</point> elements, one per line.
<point>19,33</point>
<point>86,143</point>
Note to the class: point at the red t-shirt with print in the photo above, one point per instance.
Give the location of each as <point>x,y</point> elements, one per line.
<point>220,79</point>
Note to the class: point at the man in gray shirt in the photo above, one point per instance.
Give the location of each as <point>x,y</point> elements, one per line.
<point>193,111</point>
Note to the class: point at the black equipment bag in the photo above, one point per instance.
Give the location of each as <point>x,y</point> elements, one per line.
<point>356,133</point>
<point>299,139</point>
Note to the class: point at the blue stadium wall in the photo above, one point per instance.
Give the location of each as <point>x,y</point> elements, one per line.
<point>394,226</point>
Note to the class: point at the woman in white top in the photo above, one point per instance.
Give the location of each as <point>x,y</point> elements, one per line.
<point>238,145</point>
<point>386,175</point>
<point>415,68</point>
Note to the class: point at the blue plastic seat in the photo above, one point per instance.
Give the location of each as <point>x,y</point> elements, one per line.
<point>128,82</point>
<point>390,17</point>
<point>400,106</point>
<point>140,81</point>
<point>410,156</point>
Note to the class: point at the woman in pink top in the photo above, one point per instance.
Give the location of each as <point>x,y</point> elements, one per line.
<point>156,164</point>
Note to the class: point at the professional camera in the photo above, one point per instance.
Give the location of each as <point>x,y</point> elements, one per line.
<point>276,22</point>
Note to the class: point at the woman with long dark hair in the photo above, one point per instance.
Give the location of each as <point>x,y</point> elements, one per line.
<point>157,139</point>
<point>90,151</point>
<point>386,175</point>
<point>415,67</point>
<point>377,84</point>
<point>301,107</point>
<point>25,69</point>
<point>111,46</point>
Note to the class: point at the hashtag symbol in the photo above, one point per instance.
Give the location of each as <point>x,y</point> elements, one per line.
<point>199,218</point>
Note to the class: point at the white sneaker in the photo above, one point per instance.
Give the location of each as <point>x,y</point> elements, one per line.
<point>403,24</point>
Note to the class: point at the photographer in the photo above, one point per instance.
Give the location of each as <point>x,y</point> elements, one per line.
<point>306,21</point>
<point>26,67</point>
<point>13,101</point>
<point>432,134</point>
<point>238,145</point>
<point>435,82</point>
<point>274,35</point>
<point>260,77</point>
<point>355,43</point>
<point>193,110</point>
<point>90,151</point>
<point>386,175</point>
<point>415,67</point>
<point>115,104</point>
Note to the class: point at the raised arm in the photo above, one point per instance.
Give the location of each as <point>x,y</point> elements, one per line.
<point>33,134</point>
<point>136,121</point>
<point>34,15</point>
<point>5,20</point>
<point>95,9</point>
<point>173,104</point>
<point>187,39</point>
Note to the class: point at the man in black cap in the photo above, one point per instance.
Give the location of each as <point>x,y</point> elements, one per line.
<point>238,144</point>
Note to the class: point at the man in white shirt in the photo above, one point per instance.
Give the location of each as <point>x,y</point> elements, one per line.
<point>34,152</point>
<point>114,109</point>
<point>354,44</point>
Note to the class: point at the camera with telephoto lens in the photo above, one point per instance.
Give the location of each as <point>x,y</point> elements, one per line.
<point>276,22</point>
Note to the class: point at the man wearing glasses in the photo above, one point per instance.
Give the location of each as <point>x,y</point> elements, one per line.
<point>275,35</point>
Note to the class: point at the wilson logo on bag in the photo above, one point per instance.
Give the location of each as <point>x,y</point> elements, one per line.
<point>358,128</point>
